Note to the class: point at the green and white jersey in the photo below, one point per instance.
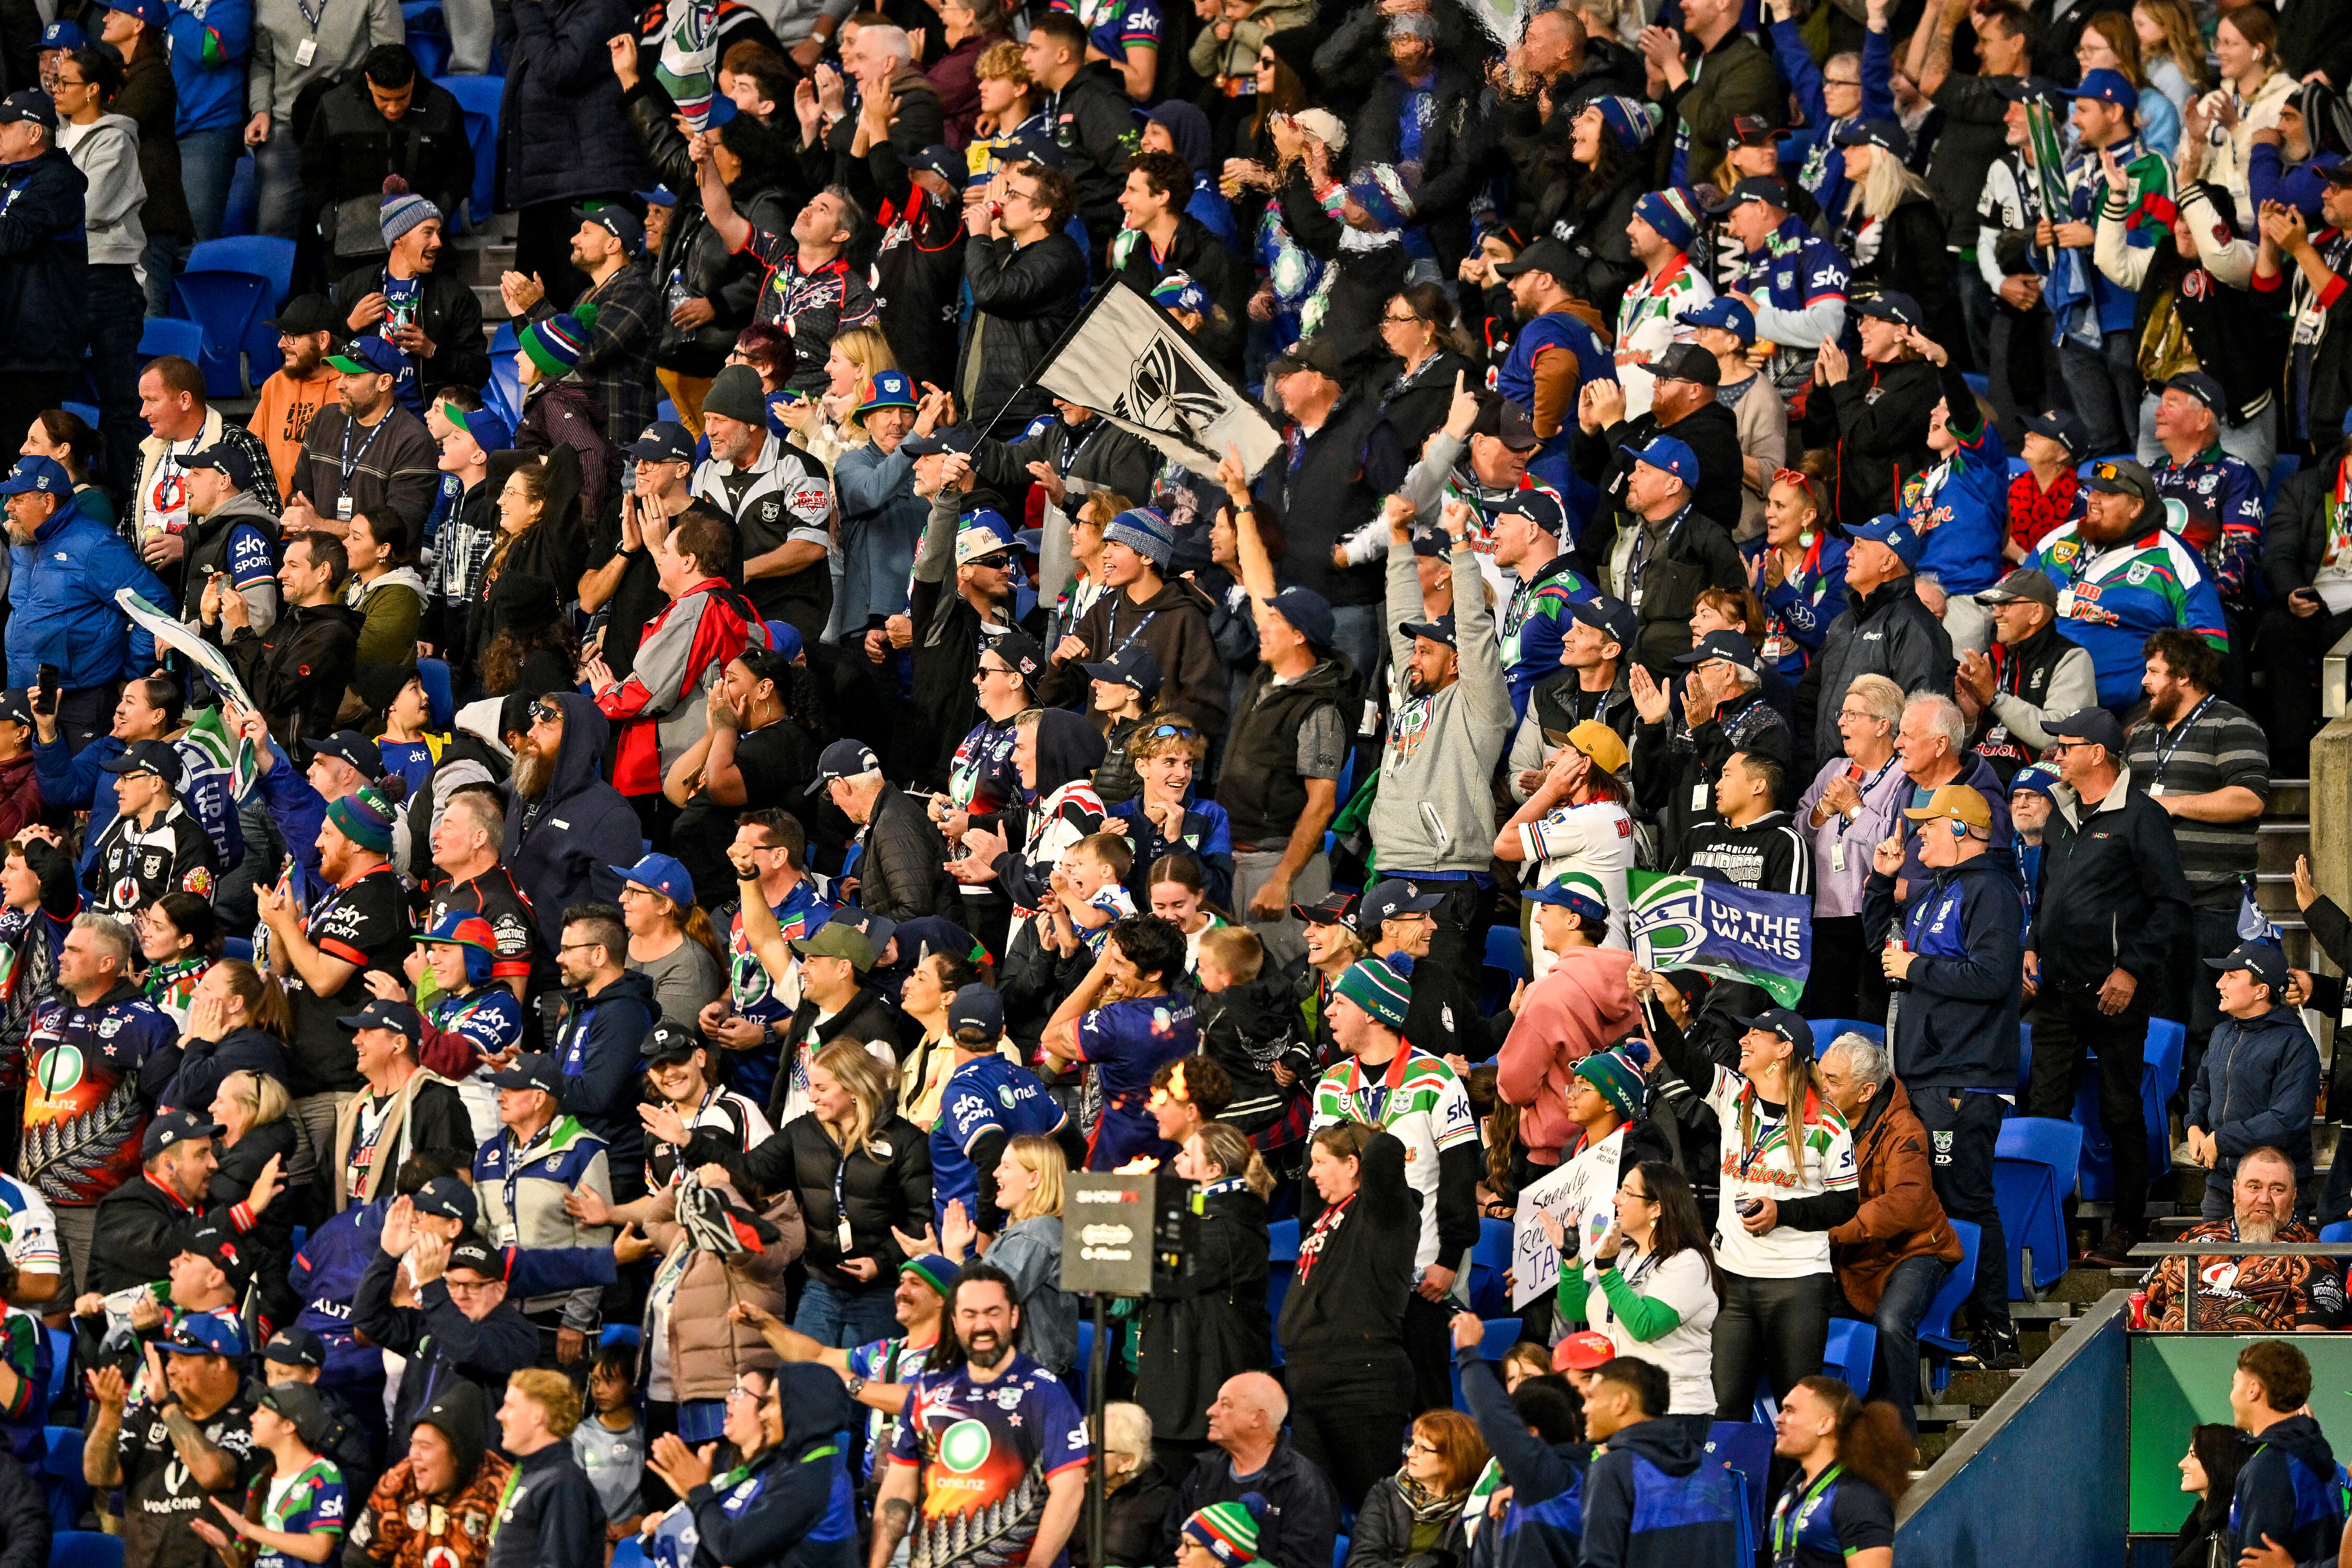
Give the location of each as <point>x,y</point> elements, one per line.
<point>1417,1098</point>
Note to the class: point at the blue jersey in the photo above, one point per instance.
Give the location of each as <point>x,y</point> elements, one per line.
<point>1797,613</point>
<point>1960,507</point>
<point>490,1018</point>
<point>1517,379</point>
<point>1821,1522</point>
<point>987,1094</point>
<point>1116,26</point>
<point>2229,537</point>
<point>311,1504</point>
<point>1127,1043</point>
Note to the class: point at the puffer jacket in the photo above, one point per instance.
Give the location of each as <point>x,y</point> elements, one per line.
<point>2256,1088</point>
<point>903,871</point>
<point>562,134</point>
<point>61,588</point>
<point>44,269</point>
<point>706,1350</point>
<point>1023,300</point>
<point>1887,632</point>
<point>1383,1536</point>
<point>1900,1218</point>
<point>521,1188</point>
<point>886,1186</point>
<point>695,263</point>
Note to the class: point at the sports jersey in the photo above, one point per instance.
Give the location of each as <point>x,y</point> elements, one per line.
<point>159,1494</point>
<point>984,1095</point>
<point>29,1230</point>
<point>2112,599</point>
<point>1534,625</point>
<point>1596,838</point>
<point>1646,325</point>
<point>1127,1043</point>
<point>493,896</point>
<point>490,1018</point>
<point>980,776</point>
<point>985,1453</point>
<point>96,1070</point>
<point>2224,486</point>
<point>1793,272</point>
<point>1820,1524</point>
<point>310,1503</point>
<point>135,865</point>
<point>1556,331</point>
<point>885,1361</point>
<point>1759,1161</point>
<point>1959,505</point>
<point>1416,1098</point>
<point>1116,26</point>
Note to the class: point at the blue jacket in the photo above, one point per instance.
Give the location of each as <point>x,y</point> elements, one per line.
<point>70,781</point>
<point>795,1508</point>
<point>1821,163</point>
<point>596,1047</point>
<point>2256,1087</point>
<point>61,598</point>
<point>2289,1490</point>
<point>1655,1499</point>
<point>1544,1525</point>
<point>1960,504</point>
<point>1965,928</point>
<point>44,274</point>
<point>210,41</point>
<point>1797,614</point>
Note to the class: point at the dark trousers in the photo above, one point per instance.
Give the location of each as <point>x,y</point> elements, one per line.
<point>2068,1024</point>
<point>85,713</point>
<point>1459,943</point>
<point>1349,1416</point>
<point>1429,1345</point>
<point>1772,1329</point>
<point>117,316</point>
<point>2288,650</point>
<point>1909,1292</point>
<point>1962,1131</point>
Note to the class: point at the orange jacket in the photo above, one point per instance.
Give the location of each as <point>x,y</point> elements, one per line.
<point>1900,1217</point>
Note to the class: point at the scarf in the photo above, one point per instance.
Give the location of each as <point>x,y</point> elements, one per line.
<point>1311,1251</point>
<point>1428,1507</point>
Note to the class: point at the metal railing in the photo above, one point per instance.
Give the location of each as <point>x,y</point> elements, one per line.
<point>2193,1249</point>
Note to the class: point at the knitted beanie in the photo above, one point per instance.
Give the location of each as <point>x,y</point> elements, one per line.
<point>364,817</point>
<point>1379,990</point>
<point>1622,1075</point>
<point>1145,530</point>
<point>403,209</point>
<point>1672,213</point>
<point>735,394</point>
<point>556,345</point>
<point>1229,1530</point>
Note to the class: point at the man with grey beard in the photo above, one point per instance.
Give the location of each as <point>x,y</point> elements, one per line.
<point>991,1404</point>
<point>2251,1295</point>
<point>567,829</point>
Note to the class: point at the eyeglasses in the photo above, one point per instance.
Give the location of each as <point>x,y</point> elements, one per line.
<point>1840,81</point>
<point>1404,321</point>
<point>1420,1445</point>
<point>1030,197</point>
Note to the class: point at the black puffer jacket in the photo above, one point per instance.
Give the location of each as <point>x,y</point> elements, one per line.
<point>1882,414</point>
<point>903,872</point>
<point>562,134</point>
<point>1911,259</point>
<point>695,263</point>
<point>271,1239</point>
<point>44,265</point>
<point>886,1184</point>
<point>1023,300</point>
<point>1213,1325</point>
<point>350,148</point>
<point>1887,632</point>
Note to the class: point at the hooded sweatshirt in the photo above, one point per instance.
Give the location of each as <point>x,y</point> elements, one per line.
<point>1436,812</point>
<point>562,844</point>
<point>402,1522</point>
<point>388,633</point>
<point>794,1506</point>
<point>1654,1497</point>
<point>2287,1491</point>
<point>107,153</point>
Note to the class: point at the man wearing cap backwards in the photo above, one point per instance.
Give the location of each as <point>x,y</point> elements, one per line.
<point>367,453</point>
<point>1955,1039</point>
<point>1885,629</point>
<point>1652,547</point>
<point>521,1177</point>
<point>2186,428</point>
<point>429,315</point>
<point>154,844</point>
<point>64,567</point>
<point>187,1440</point>
<point>1680,756</point>
<point>439,1501</point>
<point>463,1329</point>
<point>619,360</point>
<point>302,383</point>
<point>1166,614</point>
<point>2031,674</point>
<point>2110,915</point>
<point>2258,1080</point>
<point>2122,576</point>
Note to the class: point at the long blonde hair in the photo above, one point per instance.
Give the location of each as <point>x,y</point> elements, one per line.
<point>1885,186</point>
<point>2182,45</point>
<point>868,1085</point>
<point>1228,1148</point>
<point>1041,1158</point>
<point>1805,1103</point>
<point>263,1097</point>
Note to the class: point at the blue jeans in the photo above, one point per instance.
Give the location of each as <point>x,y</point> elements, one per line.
<point>1911,1287</point>
<point>845,1320</point>
<point>207,163</point>
<point>163,258</point>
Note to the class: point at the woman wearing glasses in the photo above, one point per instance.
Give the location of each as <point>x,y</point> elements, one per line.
<point>1843,90</point>
<point>1417,1513</point>
<point>788,1493</point>
<point>1421,330</point>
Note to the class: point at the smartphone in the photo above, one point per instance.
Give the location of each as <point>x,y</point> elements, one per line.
<point>45,701</point>
<point>1750,1206</point>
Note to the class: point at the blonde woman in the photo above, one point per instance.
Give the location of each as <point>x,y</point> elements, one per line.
<point>2111,42</point>
<point>860,1172</point>
<point>1029,1184</point>
<point>238,1020</point>
<point>1789,1179</point>
<point>2171,49</point>
<point>826,426</point>
<point>1890,229</point>
<point>2218,129</point>
<point>257,1138</point>
<point>1187,1346</point>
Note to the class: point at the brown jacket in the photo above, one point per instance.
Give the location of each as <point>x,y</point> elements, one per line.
<point>1899,1217</point>
<point>706,1351</point>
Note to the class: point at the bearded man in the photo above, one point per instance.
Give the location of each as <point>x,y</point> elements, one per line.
<point>566,827</point>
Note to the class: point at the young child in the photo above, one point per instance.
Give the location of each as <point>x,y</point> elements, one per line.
<point>1124,688</point>
<point>611,1447</point>
<point>1093,894</point>
<point>417,717</point>
<point>294,1511</point>
<point>1249,1022</point>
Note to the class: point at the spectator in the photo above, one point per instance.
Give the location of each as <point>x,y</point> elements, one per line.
<point>562,139</point>
<point>228,529</point>
<point>1656,548</point>
<point>607,1016</point>
<point>292,53</point>
<point>555,1513</point>
<point>172,400</point>
<point>617,356</point>
<point>154,844</point>
<point>301,1492</point>
<point>777,501</point>
<point>2254,1090</point>
<point>809,283</point>
<point>104,146</point>
<point>446,1464</point>
<point>1444,1456</point>
<point>1682,763</point>
<point>900,872</point>
<point>523,1176</point>
<point>2109,914</point>
<point>671,942</point>
<point>2271,1504</point>
<point>1683,380</point>
<point>566,828</point>
<point>1136,550</point>
<point>135,30</point>
<point>389,123</point>
<point>1933,739</point>
<point>2032,673</point>
<point>170,1470</point>
<point>2050,493</point>
<point>1660,1304</point>
<point>1623,1411</point>
<point>403,1109</point>
<point>1025,275</point>
<point>1887,630</point>
<point>1849,808</point>
<point>44,261</point>
<point>882,517</point>
<point>299,668</point>
<point>394,465</point>
<point>2251,1295</point>
<point>1577,820</point>
<point>143,1228</point>
<point>1727,329</point>
<point>62,598</point>
<point>1087,100</point>
<point>430,316</point>
<point>1248,1452</point>
<point>1848,1511</point>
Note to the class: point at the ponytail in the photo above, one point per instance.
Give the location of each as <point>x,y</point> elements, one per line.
<point>698,927</point>
<point>1871,1441</point>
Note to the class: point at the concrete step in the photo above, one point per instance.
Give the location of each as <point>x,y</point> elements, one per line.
<point>2277,844</point>
<point>2289,797</point>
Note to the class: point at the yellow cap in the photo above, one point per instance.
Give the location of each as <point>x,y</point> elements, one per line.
<point>1958,802</point>
<point>1600,743</point>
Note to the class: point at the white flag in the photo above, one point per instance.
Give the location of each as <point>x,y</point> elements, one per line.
<point>1130,363</point>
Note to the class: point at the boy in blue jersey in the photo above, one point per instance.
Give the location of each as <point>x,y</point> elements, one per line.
<point>1125,1022</point>
<point>986,1103</point>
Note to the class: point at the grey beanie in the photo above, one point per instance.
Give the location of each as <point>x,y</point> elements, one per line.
<point>736,393</point>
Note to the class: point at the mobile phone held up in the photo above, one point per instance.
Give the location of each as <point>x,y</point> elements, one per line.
<point>45,699</point>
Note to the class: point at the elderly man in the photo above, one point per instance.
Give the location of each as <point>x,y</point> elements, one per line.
<point>1653,530</point>
<point>1248,1452</point>
<point>462,1330</point>
<point>1932,742</point>
<point>2251,1295</point>
<point>366,453</point>
<point>1891,1257</point>
<point>1886,630</point>
<point>1955,1032</point>
<point>2197,473</point>
<point>901,873</point>
<point>144,1227</point>
<point>185,1445</point>
<point>2123,576</point>
<point>44,290</point>
<point>2257,1084</point>
<point>521,1177</point>
<point>2110,911</point>
<point>1677,761</point>
<point>64,570</point>
<point>2031,674</point>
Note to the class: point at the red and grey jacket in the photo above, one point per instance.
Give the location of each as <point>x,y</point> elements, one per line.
<point>659,707</point>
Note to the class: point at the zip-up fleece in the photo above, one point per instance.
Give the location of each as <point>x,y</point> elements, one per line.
<point>1964,929</point>
<point>2256,1088</point>
<point>1436,812</point>
<point>1653,1499</point>
<point>2288,1491</point>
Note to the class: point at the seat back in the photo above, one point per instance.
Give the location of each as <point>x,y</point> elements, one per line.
<point>229,306</point>
<point>67,1493</point>
<point>1488,1262</point>
<point>1746,1447</point>
<point>1850,1352</point>
<point>85,1548</point>
<point>505,391</point>
<point>1828,1029</point>
<point>2035,1160</point>
<point>172,336</point>
<point>2340,1231</point>
<point>478,99</point>
<point>1935,1328</point>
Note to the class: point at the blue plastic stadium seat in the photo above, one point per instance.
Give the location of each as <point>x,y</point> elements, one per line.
<point>1936,1336</point>
<point>629,1553</point>
<point>1086,1360</point>
<point>243,212</point>
<point>1850,1352</point>
<point>431,52</point>
<point>478,97</point>
<point>2024,1058</point>
<point>1506,951</point>
<point>68,1494</point>
<point>60,1364</point>
<point>231,288</point>
<point>1828,1029</point>
<point>85,1548</point>
<point>170,335</point>
<point>1338,1551</point>
<point>505,391</point>
<point>2282,468</point>
<point>2034,1165</point>
<point>1282,1238</point>
<point>2339,1232</point>
<point>1746,1447</point>
<point>619,1334</point>
<point>2159,1074</point>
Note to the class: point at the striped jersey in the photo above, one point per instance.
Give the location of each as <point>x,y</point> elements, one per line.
<point>1759,1161</point>
<point>1419,1099</point>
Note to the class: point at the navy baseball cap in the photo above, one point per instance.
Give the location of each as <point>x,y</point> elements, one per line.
<point>1757,188</point>
<point>844,760</point>
<point>1892,305</point>
<point>1569,896</point>
<point>1727,646</point>
<point>168,1127</point>
<point>533,1070</point>
<point>1617,620</point>
<point>1133,667</point>
<point>2266,960</point>
<point>1881,134</point>
<point>447,1197</point>
<point>2030,88</point>
<point>1540,506</point>
<point>1387,900</point>
<point>1784,1023</point>
<point>954,439</point>
<point>353,747</point>
<point>398,1017</point>
<point>2108,87</point>
<point>1896,534</point>
<point>942,160</point>
<point>31,104</point>
<point>666,442</point>
<point>223,459</point>
<point>1438,630</point>
<point>2065,427</point>
<point>661,874</point>
<point>2201,386</point>
<point>157,757</point>
<point>669,1042</point>
<point>1669,456</point>
<point>1725,312</point>
<point>369,355</point>
<point>976,1006</point>
<point>1308,613</point>
<point>14,705</point>
<point>296,1346</point>
<point>44,475</point>
<point>617,221</point>
<point>2089,727</point>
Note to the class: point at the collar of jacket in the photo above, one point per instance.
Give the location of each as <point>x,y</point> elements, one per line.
<point>2115,799</point>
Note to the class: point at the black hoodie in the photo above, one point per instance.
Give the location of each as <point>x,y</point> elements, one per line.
<point>1347,1304</point>
<point>792,1507</point>
<point>1246,1029</point>
<point>561,846</point>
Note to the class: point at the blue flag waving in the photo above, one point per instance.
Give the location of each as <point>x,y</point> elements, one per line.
<point>1724,930</point>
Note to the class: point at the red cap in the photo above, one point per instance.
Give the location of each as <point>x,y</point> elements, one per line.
<point>1583,1352</point>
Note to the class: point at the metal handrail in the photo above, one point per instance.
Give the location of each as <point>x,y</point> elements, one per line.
<point>2231,1250</point>
<point>2333,669</point>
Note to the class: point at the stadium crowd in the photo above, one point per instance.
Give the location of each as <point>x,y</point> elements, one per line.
<point>567,918</point>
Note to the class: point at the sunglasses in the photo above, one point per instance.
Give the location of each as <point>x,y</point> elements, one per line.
<point>2107,471</point>
<point>1163,732</point>
<point>546,713</point>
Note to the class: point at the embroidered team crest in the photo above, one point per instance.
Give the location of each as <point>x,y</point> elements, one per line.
<point>2138,573</point>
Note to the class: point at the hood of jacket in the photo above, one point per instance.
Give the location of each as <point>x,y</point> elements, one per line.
<point>1665,1444</point>
<point>580,756</point>
<point>2300,1438</point>
<point>120,125</point>
<point>458,1415</point>
<point>1068,748</point>
<point>1255,1008</point>
<point>816,1406</point>
<point>243,507</point>
<point>398,577</point>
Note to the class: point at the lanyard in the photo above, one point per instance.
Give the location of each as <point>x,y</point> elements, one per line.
<point>2179,734</point>
<point>1642,553</point>
<point>506,1496</point>
<point>1138,632</point>
<point>1787,1521</point>
<point>346,463</point>
<point>522,1157</point>
<point>311,16</point>
<point>1872,783</point>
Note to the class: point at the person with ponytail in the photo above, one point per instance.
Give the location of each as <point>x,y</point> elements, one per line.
<point>1213,1325</point>
<point>238,1021</point>
<point>671,941</point>
<point>250,1108</point>
<point>1853,1466</point>
<point>1787,1178</point>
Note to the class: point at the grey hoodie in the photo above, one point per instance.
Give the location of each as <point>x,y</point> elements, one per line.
<point>107,153</point>
<point>1435,811</point>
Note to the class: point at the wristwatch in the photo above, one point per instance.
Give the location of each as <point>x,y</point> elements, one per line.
<point>857,1385</point>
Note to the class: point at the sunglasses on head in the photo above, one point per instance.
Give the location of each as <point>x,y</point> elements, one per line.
<point>2107,471</point>
<point>1163,732</point>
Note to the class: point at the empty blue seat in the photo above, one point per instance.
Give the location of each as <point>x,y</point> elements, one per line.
<point>1746,1447</point>
<point>478,99</point>
<point>2033,1168</point>
<point>621,1334</point>
<point>1338,1551</point>
<point>170,335</point>
<point>85,1548</point>
<point>505,391</point>
<point>1282,1267</point>
<point>1850,1352</point>
<point>1506,951</point>
<point>1502,1333</point>
<point>1488,1260</point>
<point>60,1364</point>
<point>2159,1074</point>
<point>2282,468</point>
<point>431,52</point>
<point>1282,1239</point>
<point>1936,1335</point>
<point>1076,1378</point>
<point>68,1494</point>
<point>1828,1029</point>
<point>629,1552</point>
<point>231,288</point>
